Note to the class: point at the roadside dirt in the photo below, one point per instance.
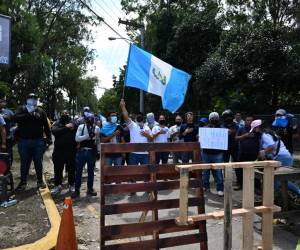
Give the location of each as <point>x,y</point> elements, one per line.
<point>26,221</point>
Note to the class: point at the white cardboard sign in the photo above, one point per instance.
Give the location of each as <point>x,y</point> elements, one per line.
<point>213,138</point>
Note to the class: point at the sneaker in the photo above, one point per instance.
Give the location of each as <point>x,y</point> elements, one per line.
<point>220,193</point>
<point>41,185</point>
<point>21,187</point>
<point>75,194</point>
<point>91,192</point>
<point>56,190</point>
<point>206,190</point>
<point>71,188</point>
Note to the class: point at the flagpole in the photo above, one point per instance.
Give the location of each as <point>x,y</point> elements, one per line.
<point>142,29</point>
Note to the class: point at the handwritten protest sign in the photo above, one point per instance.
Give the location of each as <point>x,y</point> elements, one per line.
<point>213,138</point>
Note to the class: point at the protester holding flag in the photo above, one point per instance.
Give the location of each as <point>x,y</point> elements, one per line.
<point>161,134</point>
<point>139,133</point>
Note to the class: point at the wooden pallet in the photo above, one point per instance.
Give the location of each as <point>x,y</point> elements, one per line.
<point>149,178</point>
<point>247,211</point>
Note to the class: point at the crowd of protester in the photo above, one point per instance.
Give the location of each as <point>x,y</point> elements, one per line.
<point>77,141</point>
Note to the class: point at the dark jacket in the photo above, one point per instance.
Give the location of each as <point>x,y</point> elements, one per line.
<point>64,137</point>
<point>32,125</point>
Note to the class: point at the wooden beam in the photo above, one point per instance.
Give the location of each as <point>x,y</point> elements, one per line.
<point>250,164</point>
<point>238,212</point>
<point>248,203</point>
<point>184,193</point>
<point>227,245</point>
<point>268,200</point>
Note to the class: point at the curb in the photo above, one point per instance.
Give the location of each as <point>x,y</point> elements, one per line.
<point>49,241</point>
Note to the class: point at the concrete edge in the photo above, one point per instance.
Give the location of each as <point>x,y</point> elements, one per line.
<point>49,241</point>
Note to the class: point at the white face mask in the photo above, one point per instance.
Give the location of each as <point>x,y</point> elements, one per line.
<point>114,119</point>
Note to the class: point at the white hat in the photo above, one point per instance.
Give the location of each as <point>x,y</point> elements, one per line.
<point>255,124</point>
<point>213,116</point>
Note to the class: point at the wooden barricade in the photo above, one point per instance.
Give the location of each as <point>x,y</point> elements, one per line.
<point>149,178</point>
<point>247,211</point>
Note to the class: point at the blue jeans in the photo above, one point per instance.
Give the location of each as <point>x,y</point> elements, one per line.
<point>217,173</point>
<point>31,150</point>
<point>85,157</point>
<point>116,161</point>
<point>286,160</point>
<point>135,159</point>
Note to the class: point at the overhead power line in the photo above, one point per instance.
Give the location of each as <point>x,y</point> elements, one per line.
<point>101,19</point>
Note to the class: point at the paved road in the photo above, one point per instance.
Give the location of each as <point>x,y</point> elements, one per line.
<point>87,212</point>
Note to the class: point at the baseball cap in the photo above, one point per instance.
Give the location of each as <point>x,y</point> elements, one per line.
<point>213,116</point>
<point>255,124</point>
<point>203,119</point>
<point>280,112</point>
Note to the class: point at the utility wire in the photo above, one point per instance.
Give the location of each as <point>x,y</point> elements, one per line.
<point>102,20</point>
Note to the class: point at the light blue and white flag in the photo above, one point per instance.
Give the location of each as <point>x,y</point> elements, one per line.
<point>149,73</point>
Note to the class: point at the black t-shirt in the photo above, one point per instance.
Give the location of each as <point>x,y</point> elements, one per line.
<point>190,137</point>
<point>249,145</point>
<point>117,139</point>
<point>232,143</point>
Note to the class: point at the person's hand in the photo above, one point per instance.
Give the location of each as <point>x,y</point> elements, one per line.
<point>188,130</point>
<point>162,131</point>
<point>116,133</point>
<point>122,103</point>
<point>144,133</point>
<point>70,125</point>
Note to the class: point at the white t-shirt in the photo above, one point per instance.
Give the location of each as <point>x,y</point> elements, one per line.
<point>172,130</point>
<point>135,134</point>
<point>161,137</point>
<point>268,141</point>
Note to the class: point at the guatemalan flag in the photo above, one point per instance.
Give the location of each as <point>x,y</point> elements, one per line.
<point>149,73</point>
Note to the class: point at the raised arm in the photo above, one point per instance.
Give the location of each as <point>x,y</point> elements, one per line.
<point>124,110</point>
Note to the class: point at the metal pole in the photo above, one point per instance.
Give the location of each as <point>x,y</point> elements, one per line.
<point>141,91</point>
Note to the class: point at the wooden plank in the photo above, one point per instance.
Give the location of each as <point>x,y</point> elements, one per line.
<point>145,187</point>
<point>153,196</point>
<point>268,200</point>
<point>248,203</point>
<point>200,194</point>
<point>251,164</point>
<point>184,192</point>
<point>162,243</point>
<point>148,147</point>
<point>145,178</point>
<point>141,229</point>
<point>228,208</point>
<point>147,205</point>
<point>140,169</point>
<point>235,213</point>
<point>102,200</point>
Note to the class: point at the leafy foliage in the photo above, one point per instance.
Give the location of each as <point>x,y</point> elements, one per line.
<point>242,55</point>
<point>49,52</point>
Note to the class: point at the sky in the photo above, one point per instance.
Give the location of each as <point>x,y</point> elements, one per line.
<point>110,55</point>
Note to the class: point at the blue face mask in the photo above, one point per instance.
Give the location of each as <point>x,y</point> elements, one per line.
<point>114,119</point>
<point>280,121</point>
